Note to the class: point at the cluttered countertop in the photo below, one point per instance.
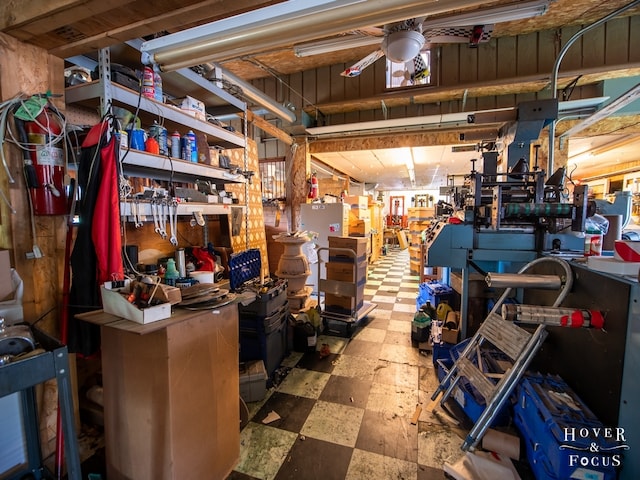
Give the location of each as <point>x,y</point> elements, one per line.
<point>143,306</point>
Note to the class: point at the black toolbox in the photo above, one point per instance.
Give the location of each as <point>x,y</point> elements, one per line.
<point>265,338</point>
<point>244,274</point>
<point>264,321</point>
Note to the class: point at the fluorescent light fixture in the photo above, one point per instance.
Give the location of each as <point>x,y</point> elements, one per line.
<point>280,25</point>
<point>334,44</point>
<point>486,16</point>
<point>606,148</point>
<point>620,102</point>
<point>431,121</point>
<point>407,154</point>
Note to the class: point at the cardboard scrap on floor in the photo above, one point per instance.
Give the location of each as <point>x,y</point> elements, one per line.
<point>481,465</point>
<point>271,417</point>
<point>416,415</point>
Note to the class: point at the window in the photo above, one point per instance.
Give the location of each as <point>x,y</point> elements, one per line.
<point>414,72</point>
<point>272,173</point>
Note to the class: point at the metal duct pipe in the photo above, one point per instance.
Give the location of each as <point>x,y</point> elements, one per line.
<point>283,24</point>
<point>255,95</point>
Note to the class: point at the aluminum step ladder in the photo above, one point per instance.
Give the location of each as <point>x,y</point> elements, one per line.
<point>517,343</point>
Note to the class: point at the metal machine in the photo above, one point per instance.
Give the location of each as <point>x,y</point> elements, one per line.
<point>509,217</point>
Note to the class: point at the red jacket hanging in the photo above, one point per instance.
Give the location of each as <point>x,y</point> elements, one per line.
<point>105,230</point>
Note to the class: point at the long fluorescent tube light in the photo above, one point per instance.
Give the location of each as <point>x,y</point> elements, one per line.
<point>620,102</point>
<point>333,44</point>
<point>486,16</point>
<point>283,24</point>
<point>448,119</point>
<point>606,148</point>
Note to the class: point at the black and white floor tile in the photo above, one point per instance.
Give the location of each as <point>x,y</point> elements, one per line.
<point>348,415</point>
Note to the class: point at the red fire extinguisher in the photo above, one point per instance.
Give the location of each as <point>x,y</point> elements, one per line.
<point>44,163</point>
<point>313,186</point>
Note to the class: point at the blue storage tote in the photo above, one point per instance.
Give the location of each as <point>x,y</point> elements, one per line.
<point>561,434</point>
<point>433,292</point>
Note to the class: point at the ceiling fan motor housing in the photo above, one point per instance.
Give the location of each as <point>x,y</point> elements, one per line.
<point>402,45</point>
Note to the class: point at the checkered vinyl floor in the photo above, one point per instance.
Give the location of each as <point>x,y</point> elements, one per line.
<point>348,415</point>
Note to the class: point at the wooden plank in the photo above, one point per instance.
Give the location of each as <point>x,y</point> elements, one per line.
<point>526,54</point>
<point>450,65</point>
<point>138,20</point>
<point>37,72</point>
<point>593,47</point>
<point>547,49</point>
<point>16,13</point>
<point>617,46</point>
<point>506,55</point>
<point>488,61</point>
<point>634,38</point>
<point>269,128</point>
<point>373,142</point>
<point>512,85</point>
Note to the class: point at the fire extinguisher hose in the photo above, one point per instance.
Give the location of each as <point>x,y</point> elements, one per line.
<point>29,170</point>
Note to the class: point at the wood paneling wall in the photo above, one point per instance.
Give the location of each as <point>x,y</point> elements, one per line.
<point>465,78</point>
<point>31,70</point>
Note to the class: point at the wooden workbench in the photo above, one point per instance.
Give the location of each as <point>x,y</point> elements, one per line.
<point>171,393</point>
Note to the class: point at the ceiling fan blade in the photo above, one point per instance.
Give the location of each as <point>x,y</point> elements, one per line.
<point>459,34</point>
<point>356,69</point>
<point>420,70</point>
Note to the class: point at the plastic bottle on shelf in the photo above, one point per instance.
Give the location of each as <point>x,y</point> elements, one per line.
<point>171,274</point>
<point>148,89</point>
<point>157,84</point>
<point>175,144</point>
<point>194,146</point>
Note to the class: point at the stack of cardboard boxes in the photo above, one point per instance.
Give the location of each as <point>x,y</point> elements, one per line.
<point>347,263</point>
<point>359,215</point>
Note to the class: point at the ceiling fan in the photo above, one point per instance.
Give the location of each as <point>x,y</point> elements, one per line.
<point>403,41</point>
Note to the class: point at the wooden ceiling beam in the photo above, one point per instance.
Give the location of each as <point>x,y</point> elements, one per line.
<point>18,13</point>
<point>269,128</point>
<point>395,140</point>
<point>75,27</point>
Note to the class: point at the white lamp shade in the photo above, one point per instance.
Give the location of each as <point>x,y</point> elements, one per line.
<point>402,45</point>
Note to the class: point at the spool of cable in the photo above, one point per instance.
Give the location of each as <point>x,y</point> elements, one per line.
<point>516,280</point>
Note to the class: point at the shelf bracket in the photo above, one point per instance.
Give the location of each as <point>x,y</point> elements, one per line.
<point>104,72</point>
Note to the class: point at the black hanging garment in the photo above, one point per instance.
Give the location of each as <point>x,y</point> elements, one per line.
<point>84,295</point>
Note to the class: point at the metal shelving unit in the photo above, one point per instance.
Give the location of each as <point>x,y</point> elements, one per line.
<point>22,375</point>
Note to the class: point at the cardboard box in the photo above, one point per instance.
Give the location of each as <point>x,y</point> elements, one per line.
<point>344,272</point>
<point>114,301</point>
<point>360,228</point>
<point>357,244</point>
<point>360,202</point>
<point>6,285</point>
<point>193,107</point>
<point>346,303</point>
<point>11,308</point>
<point>451,328</point>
